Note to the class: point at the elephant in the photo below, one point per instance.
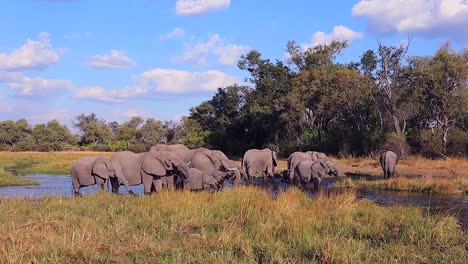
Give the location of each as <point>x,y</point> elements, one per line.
<point>312,171</point>
<point>210,160</point>
<point>260,161</point>
<point>179,150</point>
<point>298,156</point>
<point>96,170</point>
<point>155,169</point>
<point>388,161</point>
<point>212,180</point>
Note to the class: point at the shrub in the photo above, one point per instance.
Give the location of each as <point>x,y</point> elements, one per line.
<point>397,143</point>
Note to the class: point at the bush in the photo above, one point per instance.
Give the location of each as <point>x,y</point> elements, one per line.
<point>139,147</point>
<point>120,145</point>
<point>397,143</point>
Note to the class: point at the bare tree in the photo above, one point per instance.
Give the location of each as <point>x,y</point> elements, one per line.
<point>388,77</point>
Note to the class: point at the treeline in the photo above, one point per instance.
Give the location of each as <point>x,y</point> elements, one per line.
<point>137,135</point>
<point>385,99</point>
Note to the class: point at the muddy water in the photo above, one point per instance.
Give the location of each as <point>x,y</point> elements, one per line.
<point>438,204</point>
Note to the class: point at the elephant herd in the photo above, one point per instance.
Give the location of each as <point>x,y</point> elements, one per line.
<point>178,167</point>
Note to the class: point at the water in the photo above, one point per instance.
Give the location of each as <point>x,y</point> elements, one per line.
<point>53,185</point>
<point>60,185</point>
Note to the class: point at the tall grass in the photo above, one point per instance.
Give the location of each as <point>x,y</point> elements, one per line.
<point>241,226</point>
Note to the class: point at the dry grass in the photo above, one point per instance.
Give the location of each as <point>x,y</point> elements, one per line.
<point>241,226</point>
<point>412,174</point>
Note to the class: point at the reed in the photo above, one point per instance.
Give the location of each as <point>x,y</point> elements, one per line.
<point>245,225</point>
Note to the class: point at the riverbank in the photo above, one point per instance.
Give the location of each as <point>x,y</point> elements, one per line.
<point>244,225</point>
<point>413,174</point>
<point>15,164</point>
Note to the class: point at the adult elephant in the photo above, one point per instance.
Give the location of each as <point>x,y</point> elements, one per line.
<point>313,171</point>
<point>214,160</point>
<point>261,161</point>
<point>388,161</point>
<point>296,157</point>
<point>179,150</point>
<point>95,170</point>
<point>152,169</point>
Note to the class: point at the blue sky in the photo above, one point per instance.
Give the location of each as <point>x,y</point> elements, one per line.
<point>158,58</point>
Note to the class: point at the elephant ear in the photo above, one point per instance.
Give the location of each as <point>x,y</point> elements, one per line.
<point>215,160</point>
<point>153,166</point>
<point>100,168</point>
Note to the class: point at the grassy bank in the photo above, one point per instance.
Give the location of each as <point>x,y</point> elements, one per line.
<point>245,225</point>
<point>21,163</point>
<point>414,174</point>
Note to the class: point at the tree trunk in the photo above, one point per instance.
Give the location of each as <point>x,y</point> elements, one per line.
<point>445,129</point>
<point>396,124</point>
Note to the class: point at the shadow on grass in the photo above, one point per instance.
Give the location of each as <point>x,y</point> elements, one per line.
<point>363,176</point>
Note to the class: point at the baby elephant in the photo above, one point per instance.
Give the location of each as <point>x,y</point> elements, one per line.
<point>213,180</point>
<point>313,171</point>
<point>388,160</point>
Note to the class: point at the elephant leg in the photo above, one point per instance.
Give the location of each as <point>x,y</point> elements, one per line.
<point>101,183</point>
<point>76,186</point>
<point>170,182</point>
<point>316,181</point>
<point>147,183</point>
<point>158,184</point>
<point>115,185</point>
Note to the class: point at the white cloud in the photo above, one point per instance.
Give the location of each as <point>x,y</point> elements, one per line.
<point>115,60</point>
<point>38,87</point>
<point>174,34</point>
<point>32,55</point>
<point>161,82</point>
<point>199,53</point>
<point>339,33</point>
<point>195,7</point>
<point>7,77</point>
<point>428,17</point>
<point>229,55</point>
<point>76,35</point>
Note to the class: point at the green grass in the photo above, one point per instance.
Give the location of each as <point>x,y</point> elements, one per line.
<point>241,226</point>
<point>22,163</point>
<point>8,179</point>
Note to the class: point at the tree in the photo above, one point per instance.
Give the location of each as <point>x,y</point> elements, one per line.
<point>151,131</point>
<point>389,81</point>
<point>129,131</point>
<point>12,133</point>
<point>92,130</point>
<point>52,136</point>
<point>443,80</point>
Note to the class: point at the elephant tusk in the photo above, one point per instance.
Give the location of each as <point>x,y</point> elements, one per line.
<point>231,169</point>
<point>188,163</point>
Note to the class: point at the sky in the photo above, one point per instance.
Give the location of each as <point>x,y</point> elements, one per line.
<point>158,58</point>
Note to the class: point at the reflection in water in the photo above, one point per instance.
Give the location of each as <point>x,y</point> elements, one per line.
<point>439,204</point>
